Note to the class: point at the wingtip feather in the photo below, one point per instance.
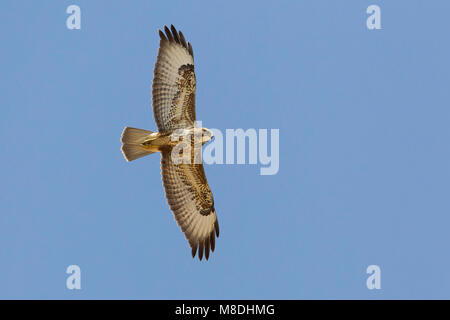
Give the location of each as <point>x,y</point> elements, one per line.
<point>168,34</point>
<point>190,49</point>
<point>182,39</point>
<point>194,250</point>
<point>175,34</point>
<point>200,251</point>
<point>207,248</point>
<point>216,227</point>
<point>162,36</point>
<point>212,238</point>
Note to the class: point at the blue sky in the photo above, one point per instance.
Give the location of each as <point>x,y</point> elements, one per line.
<point>364,157</point>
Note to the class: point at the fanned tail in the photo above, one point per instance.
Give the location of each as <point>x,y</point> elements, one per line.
<point>132,147</point>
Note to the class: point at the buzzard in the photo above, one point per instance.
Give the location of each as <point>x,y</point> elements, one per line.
<point>173,96</point>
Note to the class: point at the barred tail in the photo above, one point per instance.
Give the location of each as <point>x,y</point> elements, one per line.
<point>132,139</point>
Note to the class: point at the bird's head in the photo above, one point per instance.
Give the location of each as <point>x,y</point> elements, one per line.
<point>206,135</point>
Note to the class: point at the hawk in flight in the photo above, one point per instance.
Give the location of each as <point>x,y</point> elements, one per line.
<point>185,184</point>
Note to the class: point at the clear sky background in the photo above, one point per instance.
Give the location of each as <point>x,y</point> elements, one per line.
<point>364,153</point>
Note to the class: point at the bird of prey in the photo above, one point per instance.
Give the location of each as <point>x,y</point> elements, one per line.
<point>173,96</point>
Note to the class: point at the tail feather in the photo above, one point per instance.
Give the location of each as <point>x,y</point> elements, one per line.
<point>134,135</point>
<point>132,139</point>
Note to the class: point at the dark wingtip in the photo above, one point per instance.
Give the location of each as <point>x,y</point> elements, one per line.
<point>182,39</point>
<point>194,251</point>
<point>206,245</point>
<point>200,251</point>
<point>207,248</point>
<point>175,34</point>
<point>168,33</point>
<point>172,35</point>
<point>212,239</point>
<point>190,49</point>
<point>216,227</point>
<point>162,36</point>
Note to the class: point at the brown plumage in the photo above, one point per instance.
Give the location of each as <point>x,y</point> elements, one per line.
<point>173,95</point>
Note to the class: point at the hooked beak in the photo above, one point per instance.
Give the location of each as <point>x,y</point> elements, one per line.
<point>209,135</point>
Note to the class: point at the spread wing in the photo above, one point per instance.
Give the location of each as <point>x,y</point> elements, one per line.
<point>173,89</point>
<point>192,203</point>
